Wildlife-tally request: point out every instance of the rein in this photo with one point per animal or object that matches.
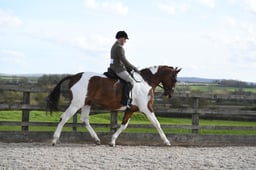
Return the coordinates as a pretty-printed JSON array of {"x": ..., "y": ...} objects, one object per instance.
[
  {"x": 165, "y": 89},
  {"x": 138, "y": 81},
  {"x": 162, "y": 87},
  {"x": 132, "y": 75}
]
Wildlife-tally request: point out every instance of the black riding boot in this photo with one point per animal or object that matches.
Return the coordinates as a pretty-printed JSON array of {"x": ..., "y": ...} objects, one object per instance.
[{"x": 126, "y": 100}]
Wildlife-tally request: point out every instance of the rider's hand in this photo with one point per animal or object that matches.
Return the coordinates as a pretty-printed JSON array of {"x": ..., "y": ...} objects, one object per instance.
[{"x": 136, "y": 70}]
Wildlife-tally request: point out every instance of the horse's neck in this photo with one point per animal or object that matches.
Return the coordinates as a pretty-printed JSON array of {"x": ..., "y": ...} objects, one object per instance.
[
  {"x": 148, "y": 77},
  {"x": 154, "y": 82}
]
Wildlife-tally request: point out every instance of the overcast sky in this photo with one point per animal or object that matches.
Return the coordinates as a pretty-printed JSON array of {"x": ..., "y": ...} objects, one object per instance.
[{"x": 206, "y": 38}]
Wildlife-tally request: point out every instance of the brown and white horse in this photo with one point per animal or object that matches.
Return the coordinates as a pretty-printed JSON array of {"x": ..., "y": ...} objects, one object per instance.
[{"x": 91, "y": 88}]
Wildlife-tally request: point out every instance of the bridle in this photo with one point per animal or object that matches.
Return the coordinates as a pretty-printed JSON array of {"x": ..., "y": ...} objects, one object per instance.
[{"x": 166, "y": 90}]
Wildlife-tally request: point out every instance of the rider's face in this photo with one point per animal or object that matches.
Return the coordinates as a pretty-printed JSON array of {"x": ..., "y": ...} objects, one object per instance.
[{"x": 122, "y": 40}]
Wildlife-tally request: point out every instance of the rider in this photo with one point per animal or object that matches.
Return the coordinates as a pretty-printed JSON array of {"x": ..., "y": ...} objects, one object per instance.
[{"x": 119, "y": 64}]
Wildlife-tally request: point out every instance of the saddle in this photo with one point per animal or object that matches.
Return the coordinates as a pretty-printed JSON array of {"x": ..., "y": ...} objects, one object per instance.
[{"x": 127, "y": 87}]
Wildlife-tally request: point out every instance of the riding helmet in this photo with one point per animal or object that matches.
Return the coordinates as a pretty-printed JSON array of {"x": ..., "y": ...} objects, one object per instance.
[{"x": 121, "y": 34}]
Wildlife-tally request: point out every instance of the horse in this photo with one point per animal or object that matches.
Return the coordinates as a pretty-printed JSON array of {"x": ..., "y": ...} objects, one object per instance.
[{"x": 89, "y": 88}]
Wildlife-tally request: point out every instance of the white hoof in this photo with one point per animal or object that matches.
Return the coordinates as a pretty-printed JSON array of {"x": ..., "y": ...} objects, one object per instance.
[
  {"x": 97, "y": 142},
  {"x": 112, "y": 144},
  {"x": 167, "y": 143},
  {"x": 54, "y": 141}
]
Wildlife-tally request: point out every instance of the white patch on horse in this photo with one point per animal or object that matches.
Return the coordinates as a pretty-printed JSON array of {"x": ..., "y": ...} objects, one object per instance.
[
  {"x": 122, "y": 108},
  {"x": 137, "y": 77},
  {"x": 154, "y": 69},
  {"x": 80, "y": 90}
]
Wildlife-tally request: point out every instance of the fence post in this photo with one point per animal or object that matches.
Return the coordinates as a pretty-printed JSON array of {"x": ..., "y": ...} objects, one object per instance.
[
  {"x": 113, "y": 121},
  {"x": 25, "y": 112},
  {"x": 74, "y": 127},
  {"x": 195, "y": 116}
]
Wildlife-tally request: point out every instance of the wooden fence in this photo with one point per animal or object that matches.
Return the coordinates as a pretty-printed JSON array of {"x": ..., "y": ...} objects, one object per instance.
[{"x": 189, "y": 105}]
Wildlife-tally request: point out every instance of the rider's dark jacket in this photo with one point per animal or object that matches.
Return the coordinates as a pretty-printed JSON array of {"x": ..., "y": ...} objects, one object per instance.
[{"x": 118, "y": 61}]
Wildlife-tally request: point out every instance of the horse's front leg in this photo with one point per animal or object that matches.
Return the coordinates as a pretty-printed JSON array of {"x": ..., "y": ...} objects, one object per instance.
[
  {"x": 125, "y": 122},
  {"x": 85, "y": 119},
  {"x": 151, "y": 116}
]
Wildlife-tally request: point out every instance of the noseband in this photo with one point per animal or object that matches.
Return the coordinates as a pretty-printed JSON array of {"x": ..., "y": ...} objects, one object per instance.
[
  {"x": 162, "y": 87},
  {"x": 166, "y": 90}
]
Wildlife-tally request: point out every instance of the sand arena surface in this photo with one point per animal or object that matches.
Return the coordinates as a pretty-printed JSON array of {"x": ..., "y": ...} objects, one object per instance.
[{"x": 89, "y": 156}]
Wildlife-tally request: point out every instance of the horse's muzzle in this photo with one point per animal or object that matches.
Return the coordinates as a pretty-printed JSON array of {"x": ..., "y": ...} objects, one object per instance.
[{"x": 167, "y": 95}]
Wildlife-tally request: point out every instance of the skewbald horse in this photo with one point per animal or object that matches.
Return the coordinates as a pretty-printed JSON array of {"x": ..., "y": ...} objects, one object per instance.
[{"x": 91, "y": 88}]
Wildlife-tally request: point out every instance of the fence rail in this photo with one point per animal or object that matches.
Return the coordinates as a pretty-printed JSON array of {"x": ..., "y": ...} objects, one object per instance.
[{"x": 163, "y": 107}]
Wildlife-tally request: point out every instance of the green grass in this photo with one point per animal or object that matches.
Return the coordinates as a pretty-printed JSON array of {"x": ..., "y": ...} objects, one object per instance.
[
  {"x": 216, "y": 89},
  {"x": 137, "y": 118},
  {"x": 227, "y": 123}
]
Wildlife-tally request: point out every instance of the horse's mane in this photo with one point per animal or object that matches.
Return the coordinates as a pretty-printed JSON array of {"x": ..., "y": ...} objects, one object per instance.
[
  {"x": 147, "y": 74},
  {"x": 156, "y": 67}
]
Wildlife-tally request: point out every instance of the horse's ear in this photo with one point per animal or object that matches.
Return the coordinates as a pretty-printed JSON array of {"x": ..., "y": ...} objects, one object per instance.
[{"x": 177, "y": 71}]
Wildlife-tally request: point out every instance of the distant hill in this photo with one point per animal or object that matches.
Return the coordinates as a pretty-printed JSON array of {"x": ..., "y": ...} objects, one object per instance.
[
  {"x": 21, "y": 75},
  {"x": 196, "y": 80}
]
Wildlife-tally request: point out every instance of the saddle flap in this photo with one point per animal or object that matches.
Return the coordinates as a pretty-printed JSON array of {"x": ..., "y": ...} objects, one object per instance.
[
  {"x": 111, "y": 74},
  {"x": 126, "y": 87}
]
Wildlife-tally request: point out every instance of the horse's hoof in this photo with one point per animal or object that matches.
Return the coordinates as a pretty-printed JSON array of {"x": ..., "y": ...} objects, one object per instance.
[
  {"x": 112, "y": 144},
  {"x": 54, "y": 141},
  {"x": 167, "y": 143},
  {"x": 97, "y": 142}
]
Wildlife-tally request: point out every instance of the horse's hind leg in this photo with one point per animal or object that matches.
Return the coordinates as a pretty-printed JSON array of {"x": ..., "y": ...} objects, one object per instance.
[
  {"x": 71, "y": 110},
  {"x": 125, "y": 122},
  {"x": 85, "y": 119}
]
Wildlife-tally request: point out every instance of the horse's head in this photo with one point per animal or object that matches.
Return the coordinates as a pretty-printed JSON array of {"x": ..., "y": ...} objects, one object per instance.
[
  {"x": 162, "y": 74},
  {"x": 168, "y": 79}
]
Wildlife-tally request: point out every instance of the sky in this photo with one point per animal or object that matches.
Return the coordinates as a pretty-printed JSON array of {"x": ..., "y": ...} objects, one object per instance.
[{"x": 206, "y": 38}]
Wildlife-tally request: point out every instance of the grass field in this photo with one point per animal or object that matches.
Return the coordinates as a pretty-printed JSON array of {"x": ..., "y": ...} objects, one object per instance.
[
  {"x": 216, "y": 89},
  {"x": 137, "y": 118}
]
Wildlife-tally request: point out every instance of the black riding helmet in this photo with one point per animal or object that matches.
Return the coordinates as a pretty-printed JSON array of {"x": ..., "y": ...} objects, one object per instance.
[{"x": 121, "y": 34}]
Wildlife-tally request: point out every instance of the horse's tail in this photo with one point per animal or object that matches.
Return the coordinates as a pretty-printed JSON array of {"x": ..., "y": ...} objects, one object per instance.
[{"x": 53, "y": 98}]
